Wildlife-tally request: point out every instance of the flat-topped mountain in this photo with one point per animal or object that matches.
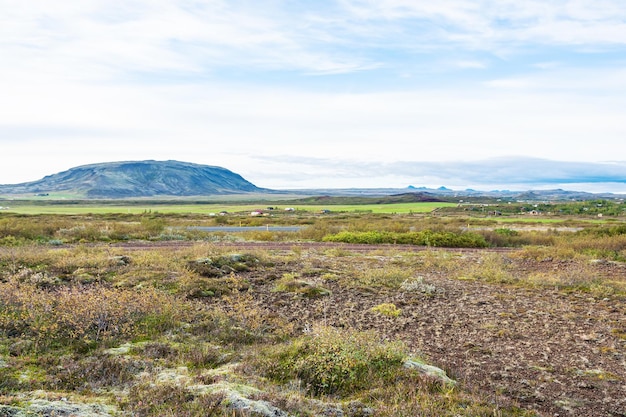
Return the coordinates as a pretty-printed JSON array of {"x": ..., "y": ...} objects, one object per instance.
[{"x": 138, "y": 179}]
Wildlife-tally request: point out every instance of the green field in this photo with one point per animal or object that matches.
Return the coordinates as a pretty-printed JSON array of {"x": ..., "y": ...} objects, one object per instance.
[{"x": 138, "y": 208}]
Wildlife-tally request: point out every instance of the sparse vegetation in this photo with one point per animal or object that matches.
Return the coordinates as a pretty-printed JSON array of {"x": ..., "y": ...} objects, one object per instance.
[
  {"x": 387, "y": 309},
  {"x": 135, "y": 314}
]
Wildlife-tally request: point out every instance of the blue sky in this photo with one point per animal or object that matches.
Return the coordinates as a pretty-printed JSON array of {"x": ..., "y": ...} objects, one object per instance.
[{"x": 479, "y": 94}]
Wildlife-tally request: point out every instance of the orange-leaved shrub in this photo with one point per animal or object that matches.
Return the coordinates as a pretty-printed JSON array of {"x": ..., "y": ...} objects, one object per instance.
[{"x": 83, "y": 316}]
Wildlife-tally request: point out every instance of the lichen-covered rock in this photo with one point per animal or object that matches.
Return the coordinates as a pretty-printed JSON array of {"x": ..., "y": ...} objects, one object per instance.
[
  {"x": 178, "y": 376},
  {"x": 429, "y": 370},
  {"x": 120, "y": 350},
  {"x": 256, "y": 407},
  {"x": 236, "y": 398},
  {"x": 45, "y": 408},
  {"x": 10, "y": 411},
  {"x": 357, "y": 409},
  {"x": 121, "y": 260}
]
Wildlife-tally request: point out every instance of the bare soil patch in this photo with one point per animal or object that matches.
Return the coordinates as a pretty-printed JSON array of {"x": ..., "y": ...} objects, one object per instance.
[{"x": 545, "y": 349}]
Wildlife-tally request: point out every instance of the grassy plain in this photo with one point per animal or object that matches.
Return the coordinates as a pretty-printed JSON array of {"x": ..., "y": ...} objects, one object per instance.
[
  {"x": 206, "y": 208},
  {"x": 130, "y": 314}
]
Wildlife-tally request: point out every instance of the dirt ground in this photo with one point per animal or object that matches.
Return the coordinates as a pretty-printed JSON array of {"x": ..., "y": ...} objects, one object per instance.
[{"x": 558, "y": 353}]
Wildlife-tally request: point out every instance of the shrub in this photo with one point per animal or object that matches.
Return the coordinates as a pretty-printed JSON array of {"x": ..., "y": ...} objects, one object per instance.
[
  {"x": 11, "y": 241},
  {"x": 93, "y": 372},
  {"x": 421, "y": 238},
  {"x": 192, "y": 286},
  {"x": 84, "y": 316},
  {"x": 153, "y": 225},
  {"x": 389, "y": 276},
  {"x": 241, "y": 320},
  {"x": 577, "y": 278},
  {"x": 147, "y": 400},
  {"x": 9, "y": 381},
  {"x": 609, "y": 246},
  {"x": 289, "y": 283},
  {"x": 222, "y": 265},
  {"x": 387, "y": 309},
  {"x": 491, "y": 268},
  {"x": 330, "y": 361}
]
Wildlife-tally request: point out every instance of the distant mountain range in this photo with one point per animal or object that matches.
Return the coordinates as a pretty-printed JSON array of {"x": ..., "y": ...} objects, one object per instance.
[
  {"x": 412, "y": 194},
  {"x": 138, "y": 179},
  {"x": 445, "y": 194}
]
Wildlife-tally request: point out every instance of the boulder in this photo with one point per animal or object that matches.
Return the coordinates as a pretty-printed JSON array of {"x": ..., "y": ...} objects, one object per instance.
[{"x": 429, "y": 370}]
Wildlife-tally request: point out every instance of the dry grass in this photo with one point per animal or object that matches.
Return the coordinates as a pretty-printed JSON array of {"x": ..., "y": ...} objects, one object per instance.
[{"x": 209, "y": 315}]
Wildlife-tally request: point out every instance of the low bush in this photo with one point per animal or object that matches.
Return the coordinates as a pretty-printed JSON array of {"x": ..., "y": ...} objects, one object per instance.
[
  {"x": 222, "y": 265},
  {"x": 492, "y": 268},
  {"x": 329, "y": 361},
  {"x": 289, "y": 283},
  {"x": 95, "y": 372},
  {"x": 421, "y": 238},
  {"x": 84, "y": 316},
  {"x": 9, "y": 381},
  {"x": 605, "y": 246},
  {"x": 148, "y": 400},
  {"x": 240, "y": 320},
  {"x": 577, "y": 278},
  {"x": 388, "y": 276},
  {"x": 387, "y": 309}
]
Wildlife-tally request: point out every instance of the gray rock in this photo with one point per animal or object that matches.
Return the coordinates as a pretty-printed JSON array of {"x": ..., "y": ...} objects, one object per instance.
[
  {"x": 121, "y": 260},
  {"x": 358, "y": 409},
  {"x": 236, "y": 398},
  {"x": 237, "y": 257},
  {"x": 9, "y": 411},
  {"x": 45, "y": 408},
  {"x": 429, "y": 370},
  {"x": 262, "y": 408}
]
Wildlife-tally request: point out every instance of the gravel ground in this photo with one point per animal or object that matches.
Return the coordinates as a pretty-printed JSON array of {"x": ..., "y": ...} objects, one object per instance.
[{"x": 558, "y": 353}]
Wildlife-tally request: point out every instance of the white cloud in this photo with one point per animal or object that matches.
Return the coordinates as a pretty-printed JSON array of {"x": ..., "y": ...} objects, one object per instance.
[
  {"x": 97, "y": 39},
  {"x": 496, "y": 173},
  {"x": 204, "y": 123},
  {"x": 484, "y": 22},
  {"x": 224, "y": 82},
  {"x": 111, "y": 38},
  {"x": 470, "y": 64}
]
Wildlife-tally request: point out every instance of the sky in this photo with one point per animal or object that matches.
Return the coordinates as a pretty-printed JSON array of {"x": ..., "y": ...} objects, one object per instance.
[{"x": 482, "y": 94}]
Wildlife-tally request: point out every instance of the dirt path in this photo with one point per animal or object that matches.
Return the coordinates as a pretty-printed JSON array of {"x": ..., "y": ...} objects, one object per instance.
[{"x": 289, "y": 246}]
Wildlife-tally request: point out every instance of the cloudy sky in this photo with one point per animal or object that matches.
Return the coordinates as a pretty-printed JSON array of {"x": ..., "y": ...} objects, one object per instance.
[{"x": 477, "y": 94}]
